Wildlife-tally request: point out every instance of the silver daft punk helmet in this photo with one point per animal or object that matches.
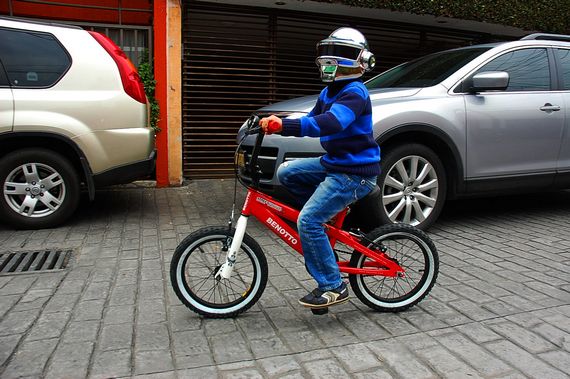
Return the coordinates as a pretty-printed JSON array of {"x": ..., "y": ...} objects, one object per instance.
[{"x": 344, "y": 54}]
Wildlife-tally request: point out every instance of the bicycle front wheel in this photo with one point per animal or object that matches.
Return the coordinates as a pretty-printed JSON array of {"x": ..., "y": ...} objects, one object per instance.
[
  {"x": 414, "y": 251},
  {"x": 196, "y": 261}
]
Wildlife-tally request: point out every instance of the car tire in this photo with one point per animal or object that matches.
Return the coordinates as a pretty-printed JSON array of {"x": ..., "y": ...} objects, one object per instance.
[
  {"x": 413, "y": 184},
  {"x": 40, "y": 189}
]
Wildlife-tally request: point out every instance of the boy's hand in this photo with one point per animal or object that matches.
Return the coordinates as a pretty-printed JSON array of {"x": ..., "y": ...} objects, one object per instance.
[{"x": 271, "y": 124}]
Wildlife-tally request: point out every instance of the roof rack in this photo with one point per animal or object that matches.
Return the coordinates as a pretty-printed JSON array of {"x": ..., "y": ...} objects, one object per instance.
[{"x": 545, "y": 36}]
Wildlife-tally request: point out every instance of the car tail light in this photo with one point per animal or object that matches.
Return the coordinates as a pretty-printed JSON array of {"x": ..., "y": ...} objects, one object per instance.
[{"x": 132, "y": 82}]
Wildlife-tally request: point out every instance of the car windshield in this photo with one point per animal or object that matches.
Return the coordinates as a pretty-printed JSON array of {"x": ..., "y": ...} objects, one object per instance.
[{"x": 426, "y": 71}]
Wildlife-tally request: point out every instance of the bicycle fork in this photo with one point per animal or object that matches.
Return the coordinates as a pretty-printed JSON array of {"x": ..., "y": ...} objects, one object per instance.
[{"x": 225, "y": 271}]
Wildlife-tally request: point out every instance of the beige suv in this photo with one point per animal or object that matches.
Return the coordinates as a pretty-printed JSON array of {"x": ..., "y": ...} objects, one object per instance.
[{"x": 73, "y": 115}]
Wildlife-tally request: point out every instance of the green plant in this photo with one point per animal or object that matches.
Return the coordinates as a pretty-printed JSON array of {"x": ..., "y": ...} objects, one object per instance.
[
  {"x": 146, "y": 72},
  {"x": 540, "y": 15}
]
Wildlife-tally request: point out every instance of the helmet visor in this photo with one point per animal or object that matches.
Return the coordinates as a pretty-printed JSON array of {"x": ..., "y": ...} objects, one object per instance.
[{"x": 343, "y": 51}]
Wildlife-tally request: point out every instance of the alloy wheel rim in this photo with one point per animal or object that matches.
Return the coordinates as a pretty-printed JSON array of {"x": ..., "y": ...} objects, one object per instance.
[
  {"x": 410, "y": 190},
  {"x": 34, "y": 190}
]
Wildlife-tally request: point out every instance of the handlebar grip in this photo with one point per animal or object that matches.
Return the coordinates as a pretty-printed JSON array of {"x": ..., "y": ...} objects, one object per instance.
[{"x": 273, "y": 126}]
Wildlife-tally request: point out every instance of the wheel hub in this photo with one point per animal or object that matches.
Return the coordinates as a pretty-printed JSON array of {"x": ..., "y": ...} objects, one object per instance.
[{"x": 34, "y": 190}]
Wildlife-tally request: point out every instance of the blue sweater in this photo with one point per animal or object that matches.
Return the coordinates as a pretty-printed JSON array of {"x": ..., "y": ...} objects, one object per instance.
[{"x": 343, "y": 121}]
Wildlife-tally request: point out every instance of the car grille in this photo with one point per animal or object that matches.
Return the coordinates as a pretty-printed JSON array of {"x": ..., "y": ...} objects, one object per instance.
[{"x": 267, "y": 161}]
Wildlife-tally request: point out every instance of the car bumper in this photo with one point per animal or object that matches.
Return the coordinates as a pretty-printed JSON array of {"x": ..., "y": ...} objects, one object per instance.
[{"x": 127, "y": 173}]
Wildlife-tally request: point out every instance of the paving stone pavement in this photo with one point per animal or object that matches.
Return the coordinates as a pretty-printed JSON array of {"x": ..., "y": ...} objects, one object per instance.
[{"x": 500, "y": 309}]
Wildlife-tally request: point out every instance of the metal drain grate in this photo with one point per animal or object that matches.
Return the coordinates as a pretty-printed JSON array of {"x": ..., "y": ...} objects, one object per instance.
[{"x": 33, "y": 261}]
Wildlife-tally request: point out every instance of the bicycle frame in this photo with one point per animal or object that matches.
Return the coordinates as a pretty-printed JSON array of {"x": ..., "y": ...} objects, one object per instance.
[{"x": 272, "y": 214}]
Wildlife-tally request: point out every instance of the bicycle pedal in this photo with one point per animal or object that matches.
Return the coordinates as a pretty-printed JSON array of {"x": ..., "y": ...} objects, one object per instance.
[{"x": 320, "y": 311}]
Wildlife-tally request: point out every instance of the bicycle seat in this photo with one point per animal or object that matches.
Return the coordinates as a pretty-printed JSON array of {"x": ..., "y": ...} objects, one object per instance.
[{"x": 365, "y": 214}]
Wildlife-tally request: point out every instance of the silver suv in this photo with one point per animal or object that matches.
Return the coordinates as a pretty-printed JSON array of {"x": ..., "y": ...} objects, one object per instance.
[
  {"x": 73, "y": 113},
  {"x": 477, "y": 120}
]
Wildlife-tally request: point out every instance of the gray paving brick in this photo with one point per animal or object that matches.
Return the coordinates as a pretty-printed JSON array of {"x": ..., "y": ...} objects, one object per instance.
[
  {"x": 243, "y": 374},
  {"x": 276, "y": 366},
  {"x": 123, "y": 295},
  {"x": 423, "y": 320},
  {"x": 301, "y": 340},
  {"x": 49, "y": 325},
  {"x": 527, "y": 339},
  {"x": 96, "y": 291},
  {"x": 7, "y": 302},
  {"x": 400, "y": 360},
  {"x": 556, "y": 336},
  {"x": 327, "y": 368},
  {"x": 560, "y": 321},
  {"x": 70, "y": 361},
  {"x": 18, "y": 285},
  {"x": 119, "y": 314},
  {"x": 255, "y": 325},
  {"x": 153, "y": 361},
  {"x": 61, "y": 303},
  {"x": 331, "y": 331},
  {"x": 472, "y": 310},
  {"x": 356, "y": 357},
  {"x": 81, "y": 331},
  {"x": 377, "y": 373},
  {"x": 393, "y": 323},
  {"x": 202, "y": 372},
  {"x": 151, "y": 311},
  {"x": 48, "y": 281},
  {"x": 418, "y": 341},
  {"x": 558, "y": 359},
  {"x": 447, "y": 366},
  {"x": 18, "y": 322},
  {"x": 181, "y": 318},
  {"x": 524, "y": 361},
  {"x": 442, "y": 312},
  {"x": 30, "y": 359},
  {"x": 114, "y": 337},
  {"x": 152, "y": 337},
  {"x": 7, "y": 347},
  {"x": 72, "y": 286},
  {"x": 477, "y": 357},
  {"x": 268, "y": 347},
  {"x": 225, "y": 352},
  {"x": 111, "y": 364},
  {"x": 88, "y": 310},
  {"x": 361, "y": 327},
  {"x": 191, "y": 349}
]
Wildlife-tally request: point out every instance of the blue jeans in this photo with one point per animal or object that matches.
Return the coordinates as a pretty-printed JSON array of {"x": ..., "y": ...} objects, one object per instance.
[{"x": 323, "y": 194}]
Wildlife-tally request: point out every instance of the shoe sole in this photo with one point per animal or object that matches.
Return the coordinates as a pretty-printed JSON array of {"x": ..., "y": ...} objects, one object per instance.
[{"x": 312, "y": 306}]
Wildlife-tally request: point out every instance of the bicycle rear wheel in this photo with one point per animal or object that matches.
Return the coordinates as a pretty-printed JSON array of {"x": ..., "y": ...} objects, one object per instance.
[
  {"x": 195, "y": 263},
  {"x": 414, "y": 251}
]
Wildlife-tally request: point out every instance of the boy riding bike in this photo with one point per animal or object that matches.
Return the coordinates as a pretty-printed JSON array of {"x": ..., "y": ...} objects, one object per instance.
[{"x": 342, "y": 118}]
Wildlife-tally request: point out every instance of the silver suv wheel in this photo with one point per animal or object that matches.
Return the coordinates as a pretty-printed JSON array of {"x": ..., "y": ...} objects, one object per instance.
[
  {"x": 34, "y": 190},
  {"x": 39, "y": 187},
  {"x": 413, "y": 186}
]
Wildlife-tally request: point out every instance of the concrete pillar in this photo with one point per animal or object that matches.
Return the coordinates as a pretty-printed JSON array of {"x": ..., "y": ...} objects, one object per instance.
[{"x": 168, "y": 75}]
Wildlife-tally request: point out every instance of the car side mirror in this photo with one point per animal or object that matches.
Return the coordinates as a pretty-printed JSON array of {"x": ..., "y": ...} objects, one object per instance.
[{"x": 489, "y": 81}]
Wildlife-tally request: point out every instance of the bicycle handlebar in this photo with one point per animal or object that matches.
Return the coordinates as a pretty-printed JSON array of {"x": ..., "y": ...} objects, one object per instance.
[{"x": 254, "y": 128}]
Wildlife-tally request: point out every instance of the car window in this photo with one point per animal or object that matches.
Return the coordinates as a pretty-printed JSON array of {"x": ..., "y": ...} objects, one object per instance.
[
  {"x": 528, "y": 69},
  {"x": 564, "y": 59},
  {"x": 426, "y": 71},
  {"x": 32, "y": 59}
]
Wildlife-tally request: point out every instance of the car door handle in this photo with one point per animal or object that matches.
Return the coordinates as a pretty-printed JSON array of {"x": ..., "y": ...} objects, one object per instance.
[{"x": 549, "y": 108}]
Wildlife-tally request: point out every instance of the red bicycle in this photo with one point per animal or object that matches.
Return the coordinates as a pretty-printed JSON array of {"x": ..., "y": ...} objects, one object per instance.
[{"x": 222, "y": 271}]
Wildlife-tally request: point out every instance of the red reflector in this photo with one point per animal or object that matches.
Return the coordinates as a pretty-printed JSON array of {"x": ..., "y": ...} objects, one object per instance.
[{"x": 132, "y": 83}]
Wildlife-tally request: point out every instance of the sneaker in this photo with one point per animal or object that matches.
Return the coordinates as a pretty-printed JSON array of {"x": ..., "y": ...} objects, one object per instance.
[{"x": 323, "y": 299}]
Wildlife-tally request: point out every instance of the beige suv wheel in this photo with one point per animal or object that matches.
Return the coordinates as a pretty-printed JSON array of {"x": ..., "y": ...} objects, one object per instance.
[{"x": 39, "y": 188}]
